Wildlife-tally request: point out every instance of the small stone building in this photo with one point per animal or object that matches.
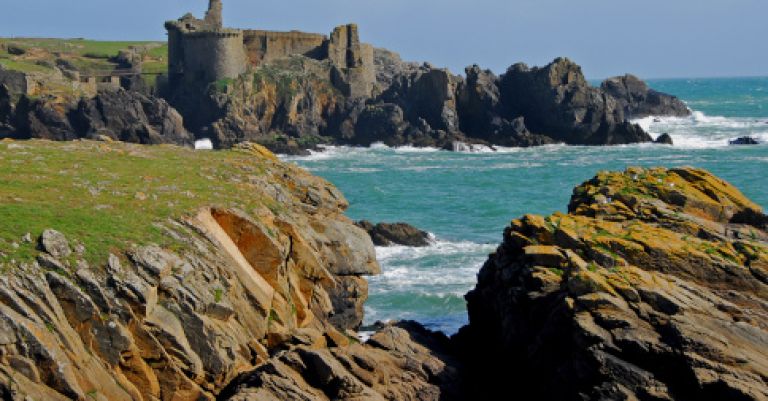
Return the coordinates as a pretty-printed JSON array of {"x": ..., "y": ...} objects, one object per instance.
[{"x": 202, "y": 51}]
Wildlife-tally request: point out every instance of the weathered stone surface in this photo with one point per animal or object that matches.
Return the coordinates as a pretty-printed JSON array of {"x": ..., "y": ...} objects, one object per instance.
[
  {"x": 131, "y": 117},
  {"x": 151, "y": 323},
  {"x": 558, "y": 100},
  {"x": 649, "y": 288},
  {"x": 55, "y": 243},
  {"x": 386, "y": 234},
  {"x": 400, "y": 362}
]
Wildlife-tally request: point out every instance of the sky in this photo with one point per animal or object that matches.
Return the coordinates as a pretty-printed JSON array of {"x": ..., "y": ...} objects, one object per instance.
[{"x": 650, "y": 38}]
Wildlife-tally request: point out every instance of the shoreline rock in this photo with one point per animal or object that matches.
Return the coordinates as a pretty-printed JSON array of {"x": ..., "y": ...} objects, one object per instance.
[
  {"x": 744, "y": 140},
  {"x": 389, "y": 234},
  {"x": 628, "y": 296}
]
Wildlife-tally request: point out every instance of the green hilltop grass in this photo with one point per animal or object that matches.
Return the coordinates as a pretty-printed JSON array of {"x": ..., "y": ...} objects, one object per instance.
[
  {"x": 84, "y": 54},
  {"x": 110, "y": 196}
]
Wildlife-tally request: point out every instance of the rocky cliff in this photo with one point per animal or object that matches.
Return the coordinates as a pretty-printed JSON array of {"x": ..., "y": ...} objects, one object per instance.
[
  {"x": 241, "y": 279},
  {"x": 244, "y": 257},
  {"x": 653, "y": 287},
  {"x": 292, "y": 104}
]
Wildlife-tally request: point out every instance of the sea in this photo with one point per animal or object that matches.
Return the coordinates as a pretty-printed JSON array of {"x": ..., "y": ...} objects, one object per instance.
[{"x": 465, "y": 200}]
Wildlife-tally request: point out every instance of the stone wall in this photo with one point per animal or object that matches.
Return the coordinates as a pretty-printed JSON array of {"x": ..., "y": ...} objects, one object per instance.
[
  {"x": 265, "y": 46},
  {"x": 214, "y": 55},
  {"x": 354, "y": 73}
]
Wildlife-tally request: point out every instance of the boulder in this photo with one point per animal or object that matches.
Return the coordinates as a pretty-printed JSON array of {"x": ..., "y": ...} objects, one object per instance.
[
  {"x": 664, "y": 139},
  {"x": 652, "y": 287},
  {"x": 385, "y": 234},
  {"x": 55, "y": 243},
  {"x": 639, "y": 101}
]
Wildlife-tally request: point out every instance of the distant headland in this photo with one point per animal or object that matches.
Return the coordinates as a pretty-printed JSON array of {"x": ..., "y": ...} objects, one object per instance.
[{"x": 292, "y": 91}]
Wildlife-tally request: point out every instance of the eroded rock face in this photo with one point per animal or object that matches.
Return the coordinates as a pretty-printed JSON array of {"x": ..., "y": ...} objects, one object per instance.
[
  {"x": 113, "y": 113},
  {"x": 652, "y": 287},
  {"x": 557, "y": 101},
  {"x": 130, "y": 116},
  {"x": 153, "y": 323},
  {"x": 640, "y": 101}
]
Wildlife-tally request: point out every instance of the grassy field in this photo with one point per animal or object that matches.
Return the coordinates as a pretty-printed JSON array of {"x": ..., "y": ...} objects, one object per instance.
[
  {"x": 109, "y": 196},
  {"x": 84, "y": 54}
]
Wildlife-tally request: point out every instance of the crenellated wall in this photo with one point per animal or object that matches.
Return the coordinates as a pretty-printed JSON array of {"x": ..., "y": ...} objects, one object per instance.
[{"x": 201, "y": 52}]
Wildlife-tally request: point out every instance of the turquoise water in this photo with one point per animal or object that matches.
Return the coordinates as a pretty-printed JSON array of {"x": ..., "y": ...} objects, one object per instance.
[{"x": 466, "y": 199}]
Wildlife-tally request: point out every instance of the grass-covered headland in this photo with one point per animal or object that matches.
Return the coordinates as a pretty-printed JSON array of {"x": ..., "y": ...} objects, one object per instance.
[{"x": 110, "y": 196}]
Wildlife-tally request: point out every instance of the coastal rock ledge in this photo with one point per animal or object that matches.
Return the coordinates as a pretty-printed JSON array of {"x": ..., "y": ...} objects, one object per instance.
[{"x": 653, "y": 287}]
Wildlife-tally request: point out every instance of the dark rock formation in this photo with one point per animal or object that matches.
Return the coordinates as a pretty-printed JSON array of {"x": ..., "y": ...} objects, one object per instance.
[
  {"x": 428, "y": 93},
  {"x": 6, "y": 109},
  {"x": 385, "y": 234},
  {"x": 653, "y": 287},
  {"x": 130, "y": 116},
  {"x": 42, "y": 119},
  {"x": 113, "y": 113},
  {"x": 664, "y": 139},
  {"x": 557, "y": 101},
  {"x": 639, "y": 101},
  {"x": 745, "y": 140}
]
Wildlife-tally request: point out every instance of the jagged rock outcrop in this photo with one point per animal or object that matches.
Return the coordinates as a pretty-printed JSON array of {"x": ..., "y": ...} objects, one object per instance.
[
  {"x": 130, "y": 116},
  {"x": 291, "y": 98},
  {"x": 639, "y": 101},
  {"x": 399, "y": 362},
  {"x": 388, "y": 234},
  {"x": 113, "y": 113},
  {"x": 557, "y": 101},
  {"x": 428, "y": 93},
  {"x": 181, "y": 322},
  {"x": 653, "y": 287}
]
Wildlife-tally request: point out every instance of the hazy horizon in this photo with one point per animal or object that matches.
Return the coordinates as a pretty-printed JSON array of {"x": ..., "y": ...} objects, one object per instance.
[{"x": 706, "y": 39}]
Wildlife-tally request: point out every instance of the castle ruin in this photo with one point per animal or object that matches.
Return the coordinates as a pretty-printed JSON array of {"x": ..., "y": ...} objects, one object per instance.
[{"x": 202, "y": 51}]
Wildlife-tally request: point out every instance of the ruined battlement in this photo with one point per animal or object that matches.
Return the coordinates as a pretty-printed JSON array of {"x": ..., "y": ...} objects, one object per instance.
[{"x": 201, "y": 51}]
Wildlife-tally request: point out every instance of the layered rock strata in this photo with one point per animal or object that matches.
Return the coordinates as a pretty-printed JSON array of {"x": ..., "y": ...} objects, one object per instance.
[
  {"x": 154, "y": 323},
  {"x": 652, "y": 287}
]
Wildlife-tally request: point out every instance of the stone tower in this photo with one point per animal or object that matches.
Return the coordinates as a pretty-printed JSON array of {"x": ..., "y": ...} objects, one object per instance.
[{"x": 213, "y": 17}]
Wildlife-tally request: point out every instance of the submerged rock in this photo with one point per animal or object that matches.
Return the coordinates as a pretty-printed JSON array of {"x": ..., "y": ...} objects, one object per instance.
[
  {"x": 386, "y": 234},
  {"x": 652, "y": 287},
  {"x": 745, "y": 140}
]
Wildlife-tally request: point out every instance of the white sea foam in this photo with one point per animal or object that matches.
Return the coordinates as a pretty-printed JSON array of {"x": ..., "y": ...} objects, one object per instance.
[
  {"x": 204, "y": 144},
  {"x": 441, "y": 269},
  {"x": 700, "y": 131}
]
